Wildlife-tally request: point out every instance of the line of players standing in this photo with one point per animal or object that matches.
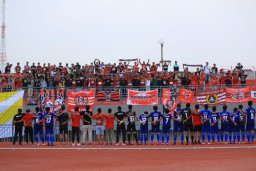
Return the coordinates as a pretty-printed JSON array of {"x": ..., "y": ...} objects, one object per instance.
[{"x": 191, "y": 122}]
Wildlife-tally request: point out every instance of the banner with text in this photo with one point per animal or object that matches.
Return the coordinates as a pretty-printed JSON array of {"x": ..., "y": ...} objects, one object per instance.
[
  {"x": 142, "y": 97},
  {"x": 80, "y": 99}
]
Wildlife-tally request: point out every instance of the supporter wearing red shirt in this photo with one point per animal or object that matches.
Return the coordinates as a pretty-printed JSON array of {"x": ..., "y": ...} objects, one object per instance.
[
  {"x": 28, "y": 119},
  {"x": 100, "y": 118},
  {"x": 135, "y": 67},
  {"x": 18, "y": 68},
  {"x": 109, "y": 126},
  {"x": 92, "y": 82},
  {"x": 144, "y": 65},
  {"x": 234, "y": 78},
  {"x": 197, "y": 123},
  {"x": 153, "y": 68},
  {"x": 76, "y": 117},
  {"x": 222, "y": 79}
]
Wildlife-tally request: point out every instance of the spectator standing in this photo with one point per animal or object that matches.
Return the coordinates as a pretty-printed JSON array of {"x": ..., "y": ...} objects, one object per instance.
[{"x": 207, "y": 71}]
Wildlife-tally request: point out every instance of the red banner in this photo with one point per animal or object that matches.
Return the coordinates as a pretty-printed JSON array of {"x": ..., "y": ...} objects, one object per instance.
[
  {"x": 80, "y": 99},
  {"x": 108, "y": 96},
  {"x": 238, "y": 95},
  {"x": 212, "y": 97},
  {"x": 169, "y": 99},
  {"x": 142, "y": 97},
  {"x": 186, "y": 95}
]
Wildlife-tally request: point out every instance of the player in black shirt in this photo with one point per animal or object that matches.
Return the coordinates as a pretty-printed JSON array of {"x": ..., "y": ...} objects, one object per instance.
[
  {"x": 87, "y": 125},
  {"x": 187, "y": 122},
  {"x": 120, "y": 118},
  {"x": 63, "y": 117},
  {"x": 131, "y": 127},
  {"x": 18, "y": 122}
]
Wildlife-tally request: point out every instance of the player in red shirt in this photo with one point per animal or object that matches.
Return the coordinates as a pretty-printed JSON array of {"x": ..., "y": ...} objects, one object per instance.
[
  {"x": 197, "y": 123},
  {"x": 100, "y": 119},
  {"x": 109, "y": 126},
  {"x": 28, "y": 119},
  {"x": 76, "y": 117}
]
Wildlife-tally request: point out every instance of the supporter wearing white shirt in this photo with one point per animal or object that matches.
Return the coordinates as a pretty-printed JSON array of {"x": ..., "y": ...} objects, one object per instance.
[{"x": 207, "y": 71}]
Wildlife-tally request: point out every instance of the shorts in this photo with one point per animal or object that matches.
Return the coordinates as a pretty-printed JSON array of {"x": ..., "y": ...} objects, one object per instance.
[
  {"x": 198, "y": 128},
  {"x": 241, "y": 126},
  {"x": 143, "y": 129},
  {"x": 188, "y": 127},
  {"x": 224, "y": 127},
  {"x": 166, "y": 129},
  {"x": 63, "y": 128},
  {"x": 49, "y": 129},
  {"x": 178, "y": 127},
  {"x": 215, "y": 129},
  {"x": 131, "y": 127},
  {"x": 38, "y": 129},
  {"x": 250, "y": 126},
  {"x": 155, "y": 129},
  {"x": 206, "y": 127},
  {"x": 232, "y": 128},
  {"x": 99, "y": 130}
]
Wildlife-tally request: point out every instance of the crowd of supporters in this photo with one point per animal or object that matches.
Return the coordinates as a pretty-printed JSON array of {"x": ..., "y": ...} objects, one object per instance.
[{"x": 124, "y": 74}]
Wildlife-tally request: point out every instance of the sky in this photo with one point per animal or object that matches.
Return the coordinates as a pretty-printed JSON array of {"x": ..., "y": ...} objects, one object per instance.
[{"x": 194, "y": 31}]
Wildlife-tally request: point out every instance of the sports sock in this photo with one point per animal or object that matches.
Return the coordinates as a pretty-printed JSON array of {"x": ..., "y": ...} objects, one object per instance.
[
  {"x": 226, "y": 137},
  {"x": 230, "y": 137},
  {"x": 238, "y": 136},
  {"x": 167, "y": 138},
  {"x": 174, "y": 138},
  {"x": 213, "y": 137},
  {"x": 145, "y": 138},
  {"x": 141, "y": 138},
  {"x": 222, "y": 137},
  {"x": 243, "y": 136},
  {"x": 187, "y": 139},
  {"x": 42, "y": 138},
  {"x": 158, "y": 137},
  {"x": 218, "y": 137},
  {"x": 52, "y": 139},
  {"x": 248, "y": 137},
  {"x": 48, "y": 138},
  {"x": 152, "y": 137},
  {"x": 162, "y": 138},
  {"x": 209, "y": 137},
  {"x": 203, "y": 136},
  {"x": 182, "y": 138},
  {"x": 252, "y": 137},
  {"x": 234, "y": 137},
  {"x": 36, "y": 137}
]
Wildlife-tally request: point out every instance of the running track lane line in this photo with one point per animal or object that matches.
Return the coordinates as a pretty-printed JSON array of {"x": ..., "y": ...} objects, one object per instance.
[{"x": 177, "y": 148}]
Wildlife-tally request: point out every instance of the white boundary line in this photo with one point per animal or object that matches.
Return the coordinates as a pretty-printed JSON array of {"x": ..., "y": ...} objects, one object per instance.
[{"x": 174, "y": 148}]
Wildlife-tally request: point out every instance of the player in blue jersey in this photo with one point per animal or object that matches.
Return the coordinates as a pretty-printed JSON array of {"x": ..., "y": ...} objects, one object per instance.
[
  {"x": 250, "y": 116},
  {"x": 225, "y": 117},
  {"x": 178, "y": 125},
  {"x": 234, "y": 119},
  {"x": 49, "y": 123},
  {"x": 241, "y": 124},
  {"x": 166, "y": 126},
  {"x": 144, "y": 127},
  {"x": 38, "y": 126},
  {"x": 155, "y": 118},
  {"x": 206, "y": 128},
  {"x": 215, "y": 116}
]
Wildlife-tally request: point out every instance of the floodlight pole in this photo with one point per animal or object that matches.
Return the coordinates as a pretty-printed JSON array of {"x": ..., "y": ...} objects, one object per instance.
[{"x": 161, "y": 42}]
